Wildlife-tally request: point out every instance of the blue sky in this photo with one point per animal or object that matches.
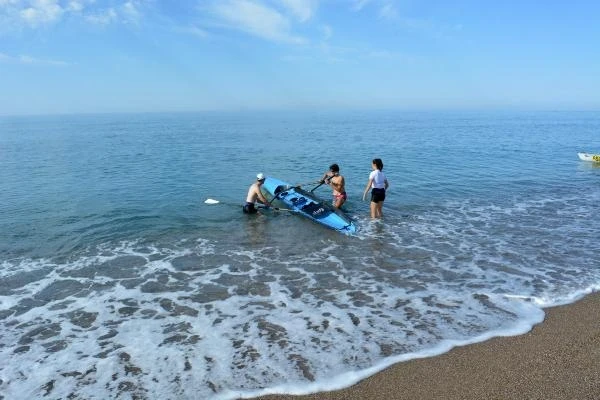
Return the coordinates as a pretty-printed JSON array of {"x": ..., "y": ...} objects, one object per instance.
[{"x": 82, "y": 56}]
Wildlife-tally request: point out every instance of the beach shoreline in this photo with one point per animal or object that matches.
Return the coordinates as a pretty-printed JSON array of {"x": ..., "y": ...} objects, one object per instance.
[{"x": 558, "y": 359}]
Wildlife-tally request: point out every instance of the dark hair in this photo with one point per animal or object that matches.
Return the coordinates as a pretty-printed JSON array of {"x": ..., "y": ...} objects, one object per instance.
[
  {"x": 378, "y": 163},
  {"x": 334, "y": 168}
]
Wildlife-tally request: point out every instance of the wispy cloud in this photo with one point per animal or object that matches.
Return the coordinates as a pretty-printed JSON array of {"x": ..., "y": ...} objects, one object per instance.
[
  {"x": 358, "y": 5},
  {"x": 337, "y": 54},
  {"x": 37, "y": 13},
  {"x": 388, "y": 11},
  {"x": 301, "y": 9},
  {"x": 127, "y": 13},
  {"x": 272, "y": 20},
  {"x": 193, "y": 30},
  {"x": 103, "y": 17},
  {"x": 28, "y": 60},
  {"x": 255, "y": 18},
  {"x": 40, "y": 12},
  {"x": 76, "y": 5},
  {"x": 131, "y": 12}
]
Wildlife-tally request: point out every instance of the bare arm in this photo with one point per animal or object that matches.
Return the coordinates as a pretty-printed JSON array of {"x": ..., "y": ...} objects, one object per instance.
[
  {"x": 326, "y": 177},
  {"x": 367, "y": 188},
  {"x": 261, "y": 197}
]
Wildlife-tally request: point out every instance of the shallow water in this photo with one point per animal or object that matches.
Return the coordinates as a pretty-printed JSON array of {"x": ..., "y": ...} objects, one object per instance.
[{"x": 116, "y": 280}]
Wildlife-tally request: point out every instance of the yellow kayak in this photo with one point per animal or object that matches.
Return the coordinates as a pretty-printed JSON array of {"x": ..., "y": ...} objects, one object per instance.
[{"x": 589, "y": 157}]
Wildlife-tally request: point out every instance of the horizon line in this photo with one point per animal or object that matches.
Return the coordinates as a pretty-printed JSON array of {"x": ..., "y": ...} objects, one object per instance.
[{"x": 308, "y": 110}]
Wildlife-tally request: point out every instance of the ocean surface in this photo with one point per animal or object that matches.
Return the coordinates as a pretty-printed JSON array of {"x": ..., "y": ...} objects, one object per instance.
[{"x": 118, "y": 281}]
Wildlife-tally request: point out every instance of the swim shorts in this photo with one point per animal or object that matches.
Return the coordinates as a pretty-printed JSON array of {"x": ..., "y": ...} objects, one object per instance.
[
  {"x": 249, "y": 208},
  {"x": 377, "y": 195}
]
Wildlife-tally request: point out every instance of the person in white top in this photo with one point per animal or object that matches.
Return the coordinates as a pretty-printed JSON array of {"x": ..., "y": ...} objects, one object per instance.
[
  {"x": 255, "y": 194},
  {"x": 378, "y": 184}
]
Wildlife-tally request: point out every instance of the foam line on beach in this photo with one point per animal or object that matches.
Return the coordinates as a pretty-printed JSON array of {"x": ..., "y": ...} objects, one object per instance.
[{"x": 352, "y": 377}]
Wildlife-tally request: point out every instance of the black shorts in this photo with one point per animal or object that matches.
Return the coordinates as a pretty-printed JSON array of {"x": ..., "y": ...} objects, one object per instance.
[
  {"x": 377, "y": 195},
  {"x": 249, "y": 208}
]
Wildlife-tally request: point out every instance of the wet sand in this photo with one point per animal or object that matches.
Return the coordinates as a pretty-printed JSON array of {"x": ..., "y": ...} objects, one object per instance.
[{"x": 557, "y": 359}]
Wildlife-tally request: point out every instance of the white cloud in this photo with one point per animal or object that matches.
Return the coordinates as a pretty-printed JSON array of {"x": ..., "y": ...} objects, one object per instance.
[
  {"x": 386, "y": 8},
  {"x": 104, "y": 17},
  {"x": 302, "y": 9},
  {"x": 359, "y": 4},
  {"x": 388, "y": 11},
  {"x": 25, "y": 59},
  {"x": 255, "y": 18},
  {"x": 194, "y": 31},
  {"x": 75, "y": 6},
  {"x": 41, "y": 12},
  {"x": 16, "y": 14},
  {"x": 131, "y": 12}
]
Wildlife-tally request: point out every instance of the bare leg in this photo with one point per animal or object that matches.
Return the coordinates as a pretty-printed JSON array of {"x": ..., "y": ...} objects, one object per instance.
[
  {"x": 337, "y": 203},
  {"x": 373, "y": 210},
  {"x": 380, "y": 209}
]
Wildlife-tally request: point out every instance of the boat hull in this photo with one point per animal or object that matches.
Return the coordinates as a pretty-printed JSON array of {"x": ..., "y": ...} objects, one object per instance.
[{"x": 309, "y": 205}]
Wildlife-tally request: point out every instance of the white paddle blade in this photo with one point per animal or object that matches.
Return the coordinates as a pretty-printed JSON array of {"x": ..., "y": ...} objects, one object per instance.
[{"x": 211, "y": 201}]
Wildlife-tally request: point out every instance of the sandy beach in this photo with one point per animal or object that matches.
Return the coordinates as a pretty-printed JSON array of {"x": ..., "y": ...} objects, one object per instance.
[{"x": 557, "y": 359}]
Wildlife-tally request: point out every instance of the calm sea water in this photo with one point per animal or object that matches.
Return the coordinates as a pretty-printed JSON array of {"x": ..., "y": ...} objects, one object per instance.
[{"x": 117, "y": 281}]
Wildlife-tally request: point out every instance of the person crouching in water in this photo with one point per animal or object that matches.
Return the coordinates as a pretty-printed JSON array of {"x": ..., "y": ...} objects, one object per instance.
[
  {"x": 337, "y": 183},
  {"x": 255, "y": 194}
]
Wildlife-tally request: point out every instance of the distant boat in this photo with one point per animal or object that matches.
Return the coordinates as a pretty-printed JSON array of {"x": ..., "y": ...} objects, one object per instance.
[{"x": 589, "y": 157}]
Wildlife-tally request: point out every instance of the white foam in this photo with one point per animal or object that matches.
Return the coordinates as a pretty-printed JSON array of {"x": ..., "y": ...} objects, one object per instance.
[
  {"x": 350, "y": 378},
  {"x": 287, "y": 320}
]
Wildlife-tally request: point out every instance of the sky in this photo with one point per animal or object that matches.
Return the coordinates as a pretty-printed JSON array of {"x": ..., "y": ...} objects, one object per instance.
[{"x": 98, "y": 56}]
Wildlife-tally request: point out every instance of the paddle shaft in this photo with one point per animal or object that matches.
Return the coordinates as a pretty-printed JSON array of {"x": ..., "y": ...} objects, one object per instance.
[
  {"x": 318, "y": 186},
  {"x": 306, "y": 183},
  {"x": 265, "y": 206}
]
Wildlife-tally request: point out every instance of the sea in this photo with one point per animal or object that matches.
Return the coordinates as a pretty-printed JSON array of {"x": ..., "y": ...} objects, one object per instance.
[{"x": 118, "y": 281}]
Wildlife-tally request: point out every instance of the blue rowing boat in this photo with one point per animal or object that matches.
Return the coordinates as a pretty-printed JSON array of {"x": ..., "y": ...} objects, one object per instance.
[{"x": 309, "y": 205}]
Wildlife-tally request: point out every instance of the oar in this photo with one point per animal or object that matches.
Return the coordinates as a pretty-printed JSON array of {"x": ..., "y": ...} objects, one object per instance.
[
  {"x": 302, "y": 184},
  {"x": 213, "y": 201},
  {"x": 278, "y": 209},
  {"x": 318, "y": 186}
]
